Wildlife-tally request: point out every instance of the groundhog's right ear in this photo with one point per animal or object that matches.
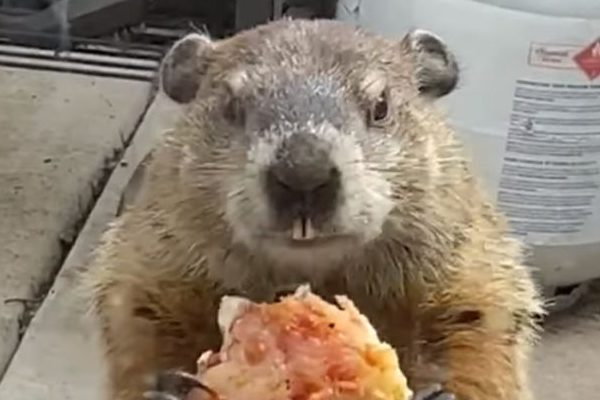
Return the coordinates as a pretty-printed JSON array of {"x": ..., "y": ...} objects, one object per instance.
[
  {"x": 437, "y": 71},
  {"x": 183, "y": 67}
]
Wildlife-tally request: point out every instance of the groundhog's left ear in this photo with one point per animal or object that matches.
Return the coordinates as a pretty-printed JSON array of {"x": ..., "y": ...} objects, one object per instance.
[
  {"x": 184, "y": 66},
  {"x": 437, "y": 70}
]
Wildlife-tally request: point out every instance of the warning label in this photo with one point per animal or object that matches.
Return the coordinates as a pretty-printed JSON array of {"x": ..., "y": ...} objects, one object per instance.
[
  {"x": 551, "y": 174},
  {"x": 589, "y": 60}
]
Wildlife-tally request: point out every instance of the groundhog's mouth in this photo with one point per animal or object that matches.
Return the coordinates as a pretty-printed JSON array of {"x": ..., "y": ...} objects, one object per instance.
[
  {"x": 303, "y": 234},
  {"x": 318, "y": 240},
  {"x": 287, "y": 241}
]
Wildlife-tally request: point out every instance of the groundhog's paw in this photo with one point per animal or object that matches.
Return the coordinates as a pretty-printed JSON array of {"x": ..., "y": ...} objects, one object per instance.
[
  {"x": 177, "y": 385},
  {"x": 433, "y": 392}
]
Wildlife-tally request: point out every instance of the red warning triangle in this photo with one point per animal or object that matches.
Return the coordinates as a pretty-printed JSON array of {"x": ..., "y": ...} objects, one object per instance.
[{"x": 588, "y": 59}]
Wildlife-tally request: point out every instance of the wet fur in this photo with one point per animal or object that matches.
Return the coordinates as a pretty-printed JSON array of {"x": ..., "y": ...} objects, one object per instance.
[{"x": 441, "y": 281}]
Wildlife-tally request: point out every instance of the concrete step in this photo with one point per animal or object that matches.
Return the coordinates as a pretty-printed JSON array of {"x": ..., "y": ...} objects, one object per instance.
[
  {"x": 58, "y": 134},
  {"x": 58, "y": 357}
]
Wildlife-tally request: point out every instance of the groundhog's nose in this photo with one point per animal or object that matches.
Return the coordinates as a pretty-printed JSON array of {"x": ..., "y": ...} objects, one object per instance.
[{"x": 303, "y": 183}]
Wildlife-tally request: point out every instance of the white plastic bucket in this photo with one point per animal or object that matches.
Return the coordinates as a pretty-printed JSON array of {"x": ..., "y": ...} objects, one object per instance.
[{"x": 528, "y": 110}]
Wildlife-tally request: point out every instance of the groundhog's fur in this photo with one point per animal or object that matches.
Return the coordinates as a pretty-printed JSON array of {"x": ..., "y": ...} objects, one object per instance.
[{"x": 430, "y": 264}]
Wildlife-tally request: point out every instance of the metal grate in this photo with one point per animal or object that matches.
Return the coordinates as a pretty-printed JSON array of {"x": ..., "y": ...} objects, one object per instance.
[
  {"x": 125, "y": 38},
  {"x": 87, "y": 56}
]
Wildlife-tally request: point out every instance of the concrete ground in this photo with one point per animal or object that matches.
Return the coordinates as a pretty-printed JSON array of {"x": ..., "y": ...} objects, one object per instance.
[
  {"x": 567, "y": 363},
  {"x": 58, "y": 134},
  {"x": 58, "y": 358},
  {"x": 49, "y": 159}
]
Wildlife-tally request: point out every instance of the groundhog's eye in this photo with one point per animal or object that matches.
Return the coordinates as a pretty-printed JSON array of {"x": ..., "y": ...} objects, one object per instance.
[{"x": 379, "y": 112}]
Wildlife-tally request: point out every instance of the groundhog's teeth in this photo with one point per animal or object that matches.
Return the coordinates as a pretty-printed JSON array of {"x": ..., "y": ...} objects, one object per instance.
[
  {"x": 303, "y": 229},
  {"x": 298, "y": 229},
  {"x": 309, "y": 231}
]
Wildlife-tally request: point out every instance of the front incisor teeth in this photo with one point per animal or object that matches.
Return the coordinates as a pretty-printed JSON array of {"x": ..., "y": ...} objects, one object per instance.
[
  {"x": 309, "y": 232},
  {"x": 302, "y": 229},
  {"x": 297, "y": 229}
]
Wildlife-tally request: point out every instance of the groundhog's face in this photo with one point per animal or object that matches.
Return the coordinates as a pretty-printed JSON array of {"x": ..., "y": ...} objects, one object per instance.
[{"x": 308, "y": 125}]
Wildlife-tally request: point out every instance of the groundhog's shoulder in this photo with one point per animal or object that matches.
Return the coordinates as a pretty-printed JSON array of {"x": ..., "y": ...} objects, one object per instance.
[{"x": 489, "y": 280}]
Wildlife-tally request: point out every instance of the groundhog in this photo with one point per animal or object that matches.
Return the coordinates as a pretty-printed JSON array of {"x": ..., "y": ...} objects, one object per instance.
[{"x": 311, "y": 152}]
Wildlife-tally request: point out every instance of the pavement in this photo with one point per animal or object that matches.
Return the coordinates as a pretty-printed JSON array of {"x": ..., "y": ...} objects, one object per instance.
[
  {"x": 57, "y": 134},
  {"x": 567, "y": 361}
]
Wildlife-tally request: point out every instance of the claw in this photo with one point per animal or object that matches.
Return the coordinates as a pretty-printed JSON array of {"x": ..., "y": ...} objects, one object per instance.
[
  {"x": 433, "y": 392},
  {"x": 445, "y": 396},
  {"x": 176, "y": 385},
  {"x": 160, "y": 396}
]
